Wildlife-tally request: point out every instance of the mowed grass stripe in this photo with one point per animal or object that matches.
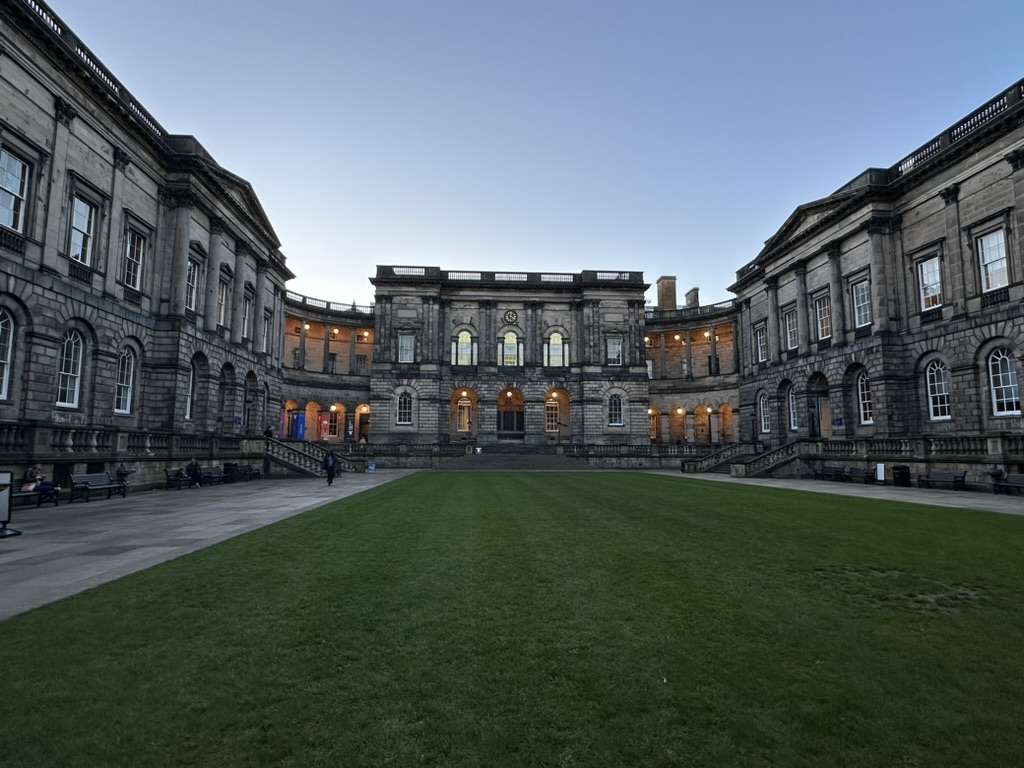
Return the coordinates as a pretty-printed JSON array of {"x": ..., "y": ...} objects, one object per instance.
[{"x": 544, "y": 619}]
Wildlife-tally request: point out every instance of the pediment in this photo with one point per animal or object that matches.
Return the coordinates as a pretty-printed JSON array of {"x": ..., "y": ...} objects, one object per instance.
[{"x": 805, "y": 217}]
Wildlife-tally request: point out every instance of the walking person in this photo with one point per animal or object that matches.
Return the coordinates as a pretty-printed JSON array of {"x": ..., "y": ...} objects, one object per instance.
[{"x": 330, "y": 464}]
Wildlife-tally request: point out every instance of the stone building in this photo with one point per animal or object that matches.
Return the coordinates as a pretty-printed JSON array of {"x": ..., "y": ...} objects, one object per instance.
[
  {"x": 883, "y": 323},
  {"x": 517, "y": 358},
  {"x": 144, "y": 318},
  {"x": 142, "y": 283}
]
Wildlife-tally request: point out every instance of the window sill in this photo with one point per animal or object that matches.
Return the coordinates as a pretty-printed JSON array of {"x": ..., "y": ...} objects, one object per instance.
[
  {"x": 931, "y": 315},
  {"x": 1006, "y": 415},
  {"x": 995, "y": 296},
  {"x": 862, "y": 331},
  {"x": 12, "y": 240},
  {"x": 939, "y": 419}
]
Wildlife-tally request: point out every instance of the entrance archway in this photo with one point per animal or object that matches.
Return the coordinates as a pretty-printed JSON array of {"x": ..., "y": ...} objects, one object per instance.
[
  {"x": 511, "y": 418},
  {"x": 362, "y": 423},
  {"x": 312, "y": 417},
  {"x": 462, "y": 415},
  {"x": 654, "y": 425},
  {"x": 702, "y": 425},
  {"x": 293, "y": 421},
  {"x": 557, "y": 415},
  {"x": 819, "y": 410},
  {"x": 251, "y": 414}
]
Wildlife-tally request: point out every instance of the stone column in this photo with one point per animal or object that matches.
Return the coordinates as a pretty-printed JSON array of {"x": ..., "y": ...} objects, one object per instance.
[
  {"x": 835, "y": 283},
  {"x": 115, "y": 244},
  {"x": 53, "y": 242},
  {"x": 803, "y": 320},
  {"x": 714, "y": 368},
  {"x": 302, "y": 343},
  {"x": 880, "y": 279},
  {"x": 179, "y": 262},
  {"x": 260, "y": 309},
  {"x": 219, "y": 253},
  {"x": 327, "y": 347},
  {"x": 238, "y": 293},
  {"x": 689, "y": 355},
  {"x": 957, "y": 266},
  {"x": 353, "y": 333},
  {"x": 1016, "y": 160},
  {"x": 662, "y": 344},
  {"x": 772, "y": 288}
]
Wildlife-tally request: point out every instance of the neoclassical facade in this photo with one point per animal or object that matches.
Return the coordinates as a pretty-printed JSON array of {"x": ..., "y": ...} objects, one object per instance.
[{"x": 145, "y": 320}]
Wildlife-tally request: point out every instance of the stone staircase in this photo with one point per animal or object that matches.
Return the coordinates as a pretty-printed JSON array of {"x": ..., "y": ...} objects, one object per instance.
[
  {"x": 505, "y": 460},
  {"x": 304, "y": 458}
]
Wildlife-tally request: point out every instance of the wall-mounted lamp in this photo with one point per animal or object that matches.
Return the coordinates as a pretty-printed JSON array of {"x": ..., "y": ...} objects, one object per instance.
[
  {"x": 650, "y": 411},
  {"x": 679, "y": 411},
  {"x": 465, "y": 393},
  {"x": 334, "y": 409},
  {"x": 335, "y": 331},
  {"x": 676, "y": 337},
  {"x": 305, "y": 326}
]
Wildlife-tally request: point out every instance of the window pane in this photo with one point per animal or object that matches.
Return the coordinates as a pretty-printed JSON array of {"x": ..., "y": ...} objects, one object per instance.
[
  {"x": 992, "y": 255},
  {"x": 930, "y": 278},
  {"x": 862, "y": 303},
  {"x": 867, "y": 407},
  {"x": 6, "y": 347}
]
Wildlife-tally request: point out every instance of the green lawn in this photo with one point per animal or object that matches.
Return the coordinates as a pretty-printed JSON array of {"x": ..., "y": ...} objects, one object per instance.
[{"x": 539, "y": 619}]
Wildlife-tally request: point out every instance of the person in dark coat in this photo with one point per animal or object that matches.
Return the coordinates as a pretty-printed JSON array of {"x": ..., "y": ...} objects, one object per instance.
[
  {"x": 194, "y": 473},
  {"x": 330, "y": 465}
]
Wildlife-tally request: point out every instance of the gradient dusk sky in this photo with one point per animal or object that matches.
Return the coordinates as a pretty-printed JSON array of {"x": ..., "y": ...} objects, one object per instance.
[{"x": 672, "y": 138}]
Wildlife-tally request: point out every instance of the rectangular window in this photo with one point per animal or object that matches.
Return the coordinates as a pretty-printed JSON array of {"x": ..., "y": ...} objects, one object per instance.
[
  {"x": 134, "y": 252},
  {"x": 614, "y": 350},
  {"x": 404, "y": 415},
  {"x": 792, "y": 331},
  {"x": 332, "y": 362},
  {"x": 361, "y": 365},
  {"x": 861, "y": 293},
  {"x": 823, "y": 312},
  {"x": 406, "y": 348},
  {"x": 650, "y": 369},
  {"x": 929, "y": 278},
  {"x": 222, "y": 303},
  {"x": 13, "y": 183},
  {"x": 191, "y": 285},
  {"x": 761, "y": 343},
  {"x": 992, "y": 258},
  {"x": 83, "y": 222},
  {"x": 246, "y": 317},
  {"x": 265, "y": 339},
  {"x": 332, "y": 422}
]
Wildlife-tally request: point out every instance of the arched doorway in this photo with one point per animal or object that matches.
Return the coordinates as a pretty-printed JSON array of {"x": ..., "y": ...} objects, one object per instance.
[
  {"x": 311, "y": 428},
  {"x": 293, "y": 421},
  {"x": 362, "y": 423},
  {"x": 819, "y": 410},
  {"x": 557, "y": 415},
  {"x": 333, "y": 423},
  {"x": 463, "y": 415},
  {"x": 727, "y": 435},
  {"x": 654, "y": 425},
  {"x": 226, "y": 399},
  {"x": 702, "y": 425},
  {"x": 251, "y": 413},
  {"x": 677, "y": 425},
  {"x": 511, "y": 419}
]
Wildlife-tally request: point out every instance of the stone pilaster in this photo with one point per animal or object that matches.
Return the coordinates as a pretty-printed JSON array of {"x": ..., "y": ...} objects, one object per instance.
[{"x": 837, "y": 295}]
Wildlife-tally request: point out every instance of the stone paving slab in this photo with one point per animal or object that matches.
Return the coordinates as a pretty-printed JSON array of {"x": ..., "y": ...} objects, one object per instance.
[
  {"x": 936, "y": 497},
  {"x": 67, "y": 549}
]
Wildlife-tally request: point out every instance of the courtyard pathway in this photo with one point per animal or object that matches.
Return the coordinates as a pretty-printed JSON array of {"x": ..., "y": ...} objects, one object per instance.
[
  {"x": 67, "y": 549},
  {"x": 988, "y": 502}
]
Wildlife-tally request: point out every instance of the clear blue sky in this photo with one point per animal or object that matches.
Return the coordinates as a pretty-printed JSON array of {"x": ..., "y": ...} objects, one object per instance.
[{"x": 669, "y": 137}]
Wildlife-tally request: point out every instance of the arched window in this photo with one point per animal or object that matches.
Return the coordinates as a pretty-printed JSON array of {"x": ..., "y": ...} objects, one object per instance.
[
  {"x": 404, "y": 411},
  {"x": 865, "y": 401},
  {"x": 556, "y": 351},
  {"x": 69, "y": 378},
  {"x": 551, "y": 416},
  {"x": 190, "y": 403},
  {"x": 464, "y": 349},
  {"x": 615, "y": 411},
  {"x": 6, "y": 348},
  {"x": 937, "y": 380},
  {"x": 1002, "y": 371},
  {"x": 762, "y": 409},
  {"x": 510, "y": 350},
  {"x": 124, "y": 395},
  {"x": 794, "y": 419}
]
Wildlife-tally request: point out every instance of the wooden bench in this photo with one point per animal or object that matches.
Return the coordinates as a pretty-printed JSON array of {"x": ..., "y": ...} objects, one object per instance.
[
  {"x": 956, "y": 480},
  {"x": 830, "y": 473},
  {"x": 176, "y": 478},
  {"x": 52, "y": 495},
  {"x": 249, "y": 472},
  {"x": 1009, "y": 484},
  {"x": 861, "y": 474},
  {"x": 212, "y": 475},
  {"x": 83, "y": 485}
]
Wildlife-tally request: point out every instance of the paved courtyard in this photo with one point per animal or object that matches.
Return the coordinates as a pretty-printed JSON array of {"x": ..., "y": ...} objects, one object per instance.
[
  {"x": 937, "y": 497},
  {"x": 67, "y": 549}
]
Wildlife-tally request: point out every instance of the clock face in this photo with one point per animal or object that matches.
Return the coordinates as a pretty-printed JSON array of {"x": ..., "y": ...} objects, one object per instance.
[{"x": 510, "y": 316}]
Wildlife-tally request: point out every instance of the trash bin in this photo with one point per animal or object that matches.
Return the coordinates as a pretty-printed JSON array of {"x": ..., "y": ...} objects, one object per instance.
[{"x": 901, "y": 475}]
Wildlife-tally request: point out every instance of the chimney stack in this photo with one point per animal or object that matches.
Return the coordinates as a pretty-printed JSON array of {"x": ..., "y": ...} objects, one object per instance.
[
  {"x": 667, "y": 292},
  {"x": 693, "y": 298}
]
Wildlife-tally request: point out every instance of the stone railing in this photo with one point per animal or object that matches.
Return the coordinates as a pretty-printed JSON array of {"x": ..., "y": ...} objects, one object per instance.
[
  {"x": 983, "y": 115},
  {"x": 691, "y": 313},
  {"x": 64, "y": 37},
  {"x": 719, "y": 457},
  {"x": 297, "y": 299}
]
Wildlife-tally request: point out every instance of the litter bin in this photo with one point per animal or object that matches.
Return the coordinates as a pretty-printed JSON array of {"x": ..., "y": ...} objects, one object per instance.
[{"x": 901, "y": 475}]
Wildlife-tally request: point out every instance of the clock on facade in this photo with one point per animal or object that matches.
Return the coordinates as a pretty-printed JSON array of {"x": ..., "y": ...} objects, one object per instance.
[{"x": 510, "y": 316}]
